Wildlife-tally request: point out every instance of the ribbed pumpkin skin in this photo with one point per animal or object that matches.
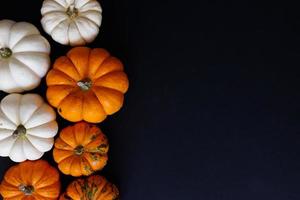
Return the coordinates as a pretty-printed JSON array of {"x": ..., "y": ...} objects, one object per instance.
[
  {"x": 87, "y": 84},
  {"x": 81, "y": 149},
  {"x": 39, "y": 174},
  {"x": 92, "y": 188}
]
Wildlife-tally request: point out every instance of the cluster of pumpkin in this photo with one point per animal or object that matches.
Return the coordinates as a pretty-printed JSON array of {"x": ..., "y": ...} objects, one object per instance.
[{"x": 85, "y": 86}]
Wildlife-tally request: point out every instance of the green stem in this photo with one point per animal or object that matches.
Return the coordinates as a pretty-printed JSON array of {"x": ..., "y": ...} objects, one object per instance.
[
  {"x": 26, "y": 189},
  {"x": 20, "y": 131},
  {"x": 5, "y": 52},
  {"x": 85, "y": 84},
  {"x": 72, "y": 12},
  {"x": 79, "y": 150}
]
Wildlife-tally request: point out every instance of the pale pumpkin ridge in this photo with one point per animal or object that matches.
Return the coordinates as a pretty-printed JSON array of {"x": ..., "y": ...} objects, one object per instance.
[
  {"x": 32, "y": 113},
  {"x": 9, "y": 31},
  {"x": 18, "y": 105},
  {"x": 68, "y": 38},
  {"x": 84, "y": 4},
  {"x": 59, "y": 19},
  {"x": 90, "y": 11},
  {"x": 63, "y": 6},
  {"x": 62, "y": 21},
  {"x": 57, "y": 25},
  {"x": 31, "y": 145},
  {"x": 26, "y": 66},
  {"x": 4, "y": 115},
  {"x": 50, "y": 123},
  {"x": 56, "y": 10},
  {"x": 7, "y": 135},
  {"x": 13, "y": 146},
  {"x": 29, "y": 30},
  {"x": 78, "y": 29},
  {"x": 24, "y": 37},
  {"x": 92, "y": 6},
  {"x": 10, "y": 70},
  {"x": 89, "y": 20}
]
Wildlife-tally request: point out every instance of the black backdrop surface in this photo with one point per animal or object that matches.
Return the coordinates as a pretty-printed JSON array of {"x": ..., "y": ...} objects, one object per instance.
[{"x": 213, "y": 108}]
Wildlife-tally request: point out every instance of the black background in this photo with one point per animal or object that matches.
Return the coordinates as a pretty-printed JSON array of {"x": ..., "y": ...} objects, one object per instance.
[{"x": 213, "y": 107}]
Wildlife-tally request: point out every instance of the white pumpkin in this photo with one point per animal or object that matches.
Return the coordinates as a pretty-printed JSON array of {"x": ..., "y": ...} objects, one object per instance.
[
  {"x": 27, "y": 127},
  {"x": 72, "y": 22},
  {"x": 24, "y": 56}
]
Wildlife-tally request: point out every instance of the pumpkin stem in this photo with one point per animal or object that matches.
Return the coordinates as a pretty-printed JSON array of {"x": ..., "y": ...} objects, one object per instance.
[
  {"x": 20, "y": 131},
  {"x": 5, "y": 52},
  {"x": 79, "y": 150},
  {"x": 26, "y": 189},
  {"x": 72, "y": 12},
  {"x": 85, "y": 84}
]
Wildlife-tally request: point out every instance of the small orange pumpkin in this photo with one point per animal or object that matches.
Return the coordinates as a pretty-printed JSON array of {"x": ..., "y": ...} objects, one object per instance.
[
  {"x": 30, "y": 180},
  {"x": 80, "y": 149},
  {"x": 87, "y": 84},
  {"x": 92, "y": 188}
]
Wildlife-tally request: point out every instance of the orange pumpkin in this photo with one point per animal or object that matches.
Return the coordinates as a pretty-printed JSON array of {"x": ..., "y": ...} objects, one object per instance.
[
  {"x": 80, "y": 149},
  {"x": 87, "y": 84},
  {"x": 31, "y": 180},
  {"x": 92, "y": 188},
  {"x": 64, "y": 196}
]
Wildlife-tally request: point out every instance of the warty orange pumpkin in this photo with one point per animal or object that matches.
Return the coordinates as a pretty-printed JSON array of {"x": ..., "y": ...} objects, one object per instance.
[
  {"x": 31, "y": 180},
  {"x": 87, "y": 84},
  {"x": 92, "y": 188},
  {"x": 81, "y": 149}
]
